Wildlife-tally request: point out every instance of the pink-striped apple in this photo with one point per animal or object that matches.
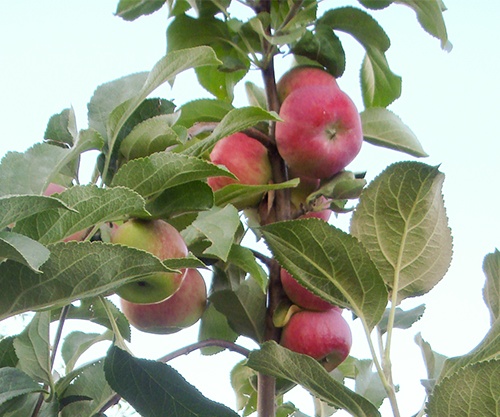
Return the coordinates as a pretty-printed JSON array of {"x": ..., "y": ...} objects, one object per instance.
[
  {"x": 247, "y": 159},
  {"x": 183, "y": 309},
  {"x": 323, "y": 335},
  {"x": 162, "y": 240},
  {"x": 320, "y": 133}
]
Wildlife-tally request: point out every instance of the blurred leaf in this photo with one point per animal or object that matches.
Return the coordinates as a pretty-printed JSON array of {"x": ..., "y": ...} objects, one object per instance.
[
  {"x": 244, "y": 308},
  {"x": 369, "y": 384},
  {"x": 214, "y": 325},
  {"x": 153, "y": 387},
  {"x": 401, "y": 220},
  {"x": 87, "y": 383},
  {"x": 330, "y": 263},
  {"x": 155, "y": 173},
  {"x": 246, "y": 394},
  {"x": 203, "y": 110},
  {"x": 256, "y": 95},
  {"x": 491, "y": 290},
  {"x": 430, "y": 17},
  {"x": 94, "y": 206},
  {"x": 244, "y": 258},
  {"x": 33, "y": 349},
  {"x": 22, "y": 249},
  {"x": 402, "y": 319},
  {"x": 18, "y": 207},
  {"x": 62, "y": 128},
  {"x": 190, "y": 197},
  {"x": 383, "y": 128},
  {"x": 152, "y": 135},
  {"x": 133, "y": 9},
  {"x": 234, "y": 121},
  {"x": 375, "y": 4},
  {"x": 277, "y": 361},
  {"x": 14, "y": 382},
  {"x": 324, "y": 47},
  {"x": 433, "y": 362},
  {"x": 76, "y": 343},
  {"x": 76, "y": 270},
  {"x": 8, "y": 357},
  {"x": 20, "y": 406},
  {"x": 472, "y": 391}
]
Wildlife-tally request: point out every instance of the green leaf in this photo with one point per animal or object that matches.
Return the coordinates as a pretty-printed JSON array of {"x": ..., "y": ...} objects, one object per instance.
[
  {"x": 214, "y": 325},
  {"x": 33, "y": 349},
  {"x": 244, "y": 258},
  {"x": 331, "y": 264},
  {"x": 275, "y": 360},
  {"x": 164, "y": 70},
  {"x": 246, "y": 394},
  {"x": 75, "y": 270},
  {"x": 430, "y": 17},
  {"x": 402, "y": 319},
  {"x": 375, "y": 4},
  {"x": 488, "y": 349},
  {"x": 62, "y": 128},
  {"x": 401, "y": 220},
  {"x": 14, "y": 382},
  {"x": 190, "y": 197},
  {"x": 132, "y": 9},
  {"x": 383, "y": 128},
  {"x": 244, "y": 308},
  {"x": 239, "y": 194},
  {"x": 18, "y": 207},
  {"x": 324, "y": 47},
  {"x": 234, "y": 121},
  {"x": 88, "y": 383},
  {"x": 256, "y": 95},
  {"x": 433, "y": 362},
  {"x": 94, "y": 206},
  {"x": 472, "y": 391},
  {"x": 22, "y": 249},
  {"x": 76, "y": 343},
  {"x": 155, "y": 173},
  {"x": 8, "y": 357},
  {"x": 369, "y": 384},
  {"x": 20, "y": 406},
  {"x": 203, "y": 110},
  {"x": 152, "y": 135},
  {"x": 154, "y": 388},
  {"x": 218, "y": 226},
  {"x": 491, "y": 290}
]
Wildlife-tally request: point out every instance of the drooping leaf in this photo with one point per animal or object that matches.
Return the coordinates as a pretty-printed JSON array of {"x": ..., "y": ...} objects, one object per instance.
[
  {"x": 383, "y": 128},
  {"x": 22, "y": 249},
  {"x": 14, "y": 382},
  {"x": 214, "y": 325},
  {"x": 331, "y": 264},
  {"x": 234, "y": 121},
  {"x": 402, "y": 319},
  {"x": 275, "y": 360},
  {"x": 61, "y": 128},
  {"x": 244, "y": 308},
  {"x": 470, "y": 392},
  {"x": 160, "y": 171},
  {"x": 433, "y": 362},
  {"x": 244, "y": 258},
  {"x": 94, "y": 206},
  {"x": 491, "y": 290},
  {"x": 75, "y": 270},
  {"x": 368, "y": 383},
  {"x": 401, "y": 220},
  {"x": 133, "y": 9},
  {"x": 76, "y": 343},
  {"x": 33, "y": 349},
  {"x": 246, "y": 394},
  {"x": 155, "y": 388}
]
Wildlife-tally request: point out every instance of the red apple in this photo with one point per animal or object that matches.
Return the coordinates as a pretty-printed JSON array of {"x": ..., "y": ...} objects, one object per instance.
[
  {"x": 301, "y": 296},
  {"x": 320, "y": 133},
  {"x": 303, "y": 76},
  {"x": 162, "y": 240},
  {"x": 247, "y": 159},
  {"x": 319, "y": 334},
  {"x": 181, "y": 310}
]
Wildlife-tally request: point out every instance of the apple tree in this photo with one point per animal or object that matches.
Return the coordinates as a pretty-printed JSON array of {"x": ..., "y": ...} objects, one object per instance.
[{"x": 212, "y": 174}]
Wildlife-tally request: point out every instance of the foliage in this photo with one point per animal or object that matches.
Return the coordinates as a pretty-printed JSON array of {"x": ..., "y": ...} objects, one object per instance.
[{"x": 153, "y": 164}]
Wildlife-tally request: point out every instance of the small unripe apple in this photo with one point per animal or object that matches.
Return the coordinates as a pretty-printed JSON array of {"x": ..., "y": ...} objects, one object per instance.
[
  {"x": 303, "y": 76},
  {"x": 301, "y": 296},
  {"x": 320, "y": 133},
  {"x": 181, "y": 310},
  {"x": 162, "y": 240},
  {"x": 247, "y": 159},
  {"x": 319, "y": 334}
]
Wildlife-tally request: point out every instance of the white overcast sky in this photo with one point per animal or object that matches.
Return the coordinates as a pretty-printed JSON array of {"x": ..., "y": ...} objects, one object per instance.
[{"x": 55, "y": 53}]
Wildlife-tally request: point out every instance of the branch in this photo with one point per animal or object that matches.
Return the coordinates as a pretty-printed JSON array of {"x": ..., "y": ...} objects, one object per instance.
[{"x": 204, "y": 343}]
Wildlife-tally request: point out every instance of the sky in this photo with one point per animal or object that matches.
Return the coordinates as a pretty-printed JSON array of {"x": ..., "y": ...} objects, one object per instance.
[{"x": 55, "y": 53}]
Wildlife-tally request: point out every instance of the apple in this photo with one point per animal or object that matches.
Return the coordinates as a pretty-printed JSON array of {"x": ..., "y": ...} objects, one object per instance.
[
  {"x": 303, "y": 76},
  {"x": 323, "y": 335},
  {"x": 300, "y": 295},
  {"x": 247, "y": 159},
  {"x": 320, "y": 133},
  {"x": 181, "y": 310},
  {"x": 162, "y": 240}
]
